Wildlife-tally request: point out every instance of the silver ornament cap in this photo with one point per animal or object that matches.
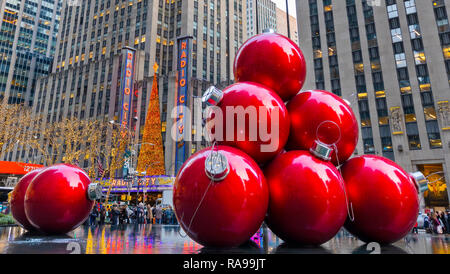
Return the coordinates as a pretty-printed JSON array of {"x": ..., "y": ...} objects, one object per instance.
[
  {"x": 419, "y": 180},
  {"x": 212, "y": 96},
  {"x": 268, "y": 30},
  {"x": 95, "y": 191},
  {"x": 216, "y": 166},
  {"x": 321, "y": 150}
]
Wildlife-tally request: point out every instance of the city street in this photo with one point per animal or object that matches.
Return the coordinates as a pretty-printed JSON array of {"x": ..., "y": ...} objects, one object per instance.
[{"x": 165, "y": 239}]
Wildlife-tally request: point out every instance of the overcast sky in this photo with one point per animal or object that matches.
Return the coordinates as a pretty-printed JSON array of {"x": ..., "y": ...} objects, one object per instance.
[{"x": 282, "y": 5}]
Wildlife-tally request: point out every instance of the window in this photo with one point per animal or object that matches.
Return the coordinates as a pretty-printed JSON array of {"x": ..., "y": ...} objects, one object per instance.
[
  {"x": 413, "y": 136},
  {"x": 434, "y": 135}
]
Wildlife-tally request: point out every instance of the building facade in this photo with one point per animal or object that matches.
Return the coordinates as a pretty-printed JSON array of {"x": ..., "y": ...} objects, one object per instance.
[
  {"x": 282, "y": 25},
  {"x": 28, "y": 34},
  {"x": 390, "y": 59},
  {"x": 85, "y": 82},
  {"x": 261, "y": 14}
]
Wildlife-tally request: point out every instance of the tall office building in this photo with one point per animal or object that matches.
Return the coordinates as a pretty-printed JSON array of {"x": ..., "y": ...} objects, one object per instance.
[
  {"x": 28, "y": 31},
  {"x": 95, "y": 40},
  {"x": 261, "y": 14},
  {"x": 282, "y": 25},
  {"x": 391, "y": 60}
]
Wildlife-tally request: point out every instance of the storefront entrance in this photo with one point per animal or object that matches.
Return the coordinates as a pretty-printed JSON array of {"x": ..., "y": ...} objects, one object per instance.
[
  {"x": 436, "y": 195},
  {"x": 147, "y": 198}
]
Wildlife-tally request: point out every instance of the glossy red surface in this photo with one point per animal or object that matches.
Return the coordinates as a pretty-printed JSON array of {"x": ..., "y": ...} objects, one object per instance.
[
  {"x": 273, "y": 60},
  {"x": 321, "y": 115},
  {"x": 307, "y": 201},
  {"x": 260, "y": 142},
  {"x": 18, "y": 198},
  {"x": 232, "y": 210},
  {"x": 56, "y": 201},
  {"x": 384, "y": 200}
]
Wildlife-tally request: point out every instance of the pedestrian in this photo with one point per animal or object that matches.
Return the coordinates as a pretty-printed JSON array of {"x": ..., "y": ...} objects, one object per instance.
[
  {"x": 141, "y": 213},
  {"x": 102, "y": 215},
  {"x": 115, "y": 215},
  {"x": 149, "y": 214},
  {"x": 447, "y": 218},
  {"x": 443, "y": 220},
  {"x": 437, "y": 229},
  {"x": 158, "y": 214},
  {"x": 415, "y": 229},
  {"x": 171, "y": 215},
  {"x": 129, "y": 214},
  {"x": 93, "y": 216},
  {"x": 427, "y": 223}
]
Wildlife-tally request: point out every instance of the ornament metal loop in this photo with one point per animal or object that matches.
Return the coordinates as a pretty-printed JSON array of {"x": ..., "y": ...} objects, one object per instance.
[
  {"x": 94, "y": 191},
  {"x": 321, "y": 150},
  {"x": 212, "y": 96},
  {"x": 268, "y": 30},
  {"x": 216, "y": 166},
  {"x": 334, "y": 123}
]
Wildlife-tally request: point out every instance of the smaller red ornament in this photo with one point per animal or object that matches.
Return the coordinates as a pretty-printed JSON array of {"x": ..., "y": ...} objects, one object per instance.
[
  {"x": 250, "y": 117},
  {"x": 273, "y": 60},
  {"x": 220, "y": 197},
  {"x": 60, "y": 198},
  {"x": 307, "y": 202},
  {"x": 383, "y": 197},
  {"x": 18, "y": 198},
  {"x": 320, "y": 119}
]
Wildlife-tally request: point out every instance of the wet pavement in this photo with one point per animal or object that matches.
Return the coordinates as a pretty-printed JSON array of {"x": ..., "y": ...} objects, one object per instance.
[{"x": 166, "y": 239}]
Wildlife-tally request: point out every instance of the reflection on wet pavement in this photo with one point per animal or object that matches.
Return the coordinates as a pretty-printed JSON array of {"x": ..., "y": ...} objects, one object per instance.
[{"x": 164, "y": 239}]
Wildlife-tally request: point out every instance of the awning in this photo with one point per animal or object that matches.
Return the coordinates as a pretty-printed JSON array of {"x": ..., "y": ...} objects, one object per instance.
[{"x": 16, "y": 168}]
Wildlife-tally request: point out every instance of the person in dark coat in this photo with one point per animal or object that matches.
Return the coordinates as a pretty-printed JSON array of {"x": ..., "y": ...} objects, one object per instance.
[
  {"x": 93, "y": 216},
  {"x": 115, "y": 215},
  {"x": 102, "y": 215}
]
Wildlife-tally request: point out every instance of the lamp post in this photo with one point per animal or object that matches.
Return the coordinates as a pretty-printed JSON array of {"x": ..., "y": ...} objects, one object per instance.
[
  {"x": 287, "y": 20},
  {"x": 133, "y": 170}
]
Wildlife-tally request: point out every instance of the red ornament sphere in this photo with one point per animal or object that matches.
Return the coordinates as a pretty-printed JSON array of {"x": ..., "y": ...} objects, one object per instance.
[
  {"x": 273, "y": 60},
  {"x": 232, "y": 210},
  {"x": 18, "y": 199},
  {"x": 307, "y": 202},
  {"x": 254, "y": 120},
  {"x": 318, "y": 115},
  {"x": 384, "y": 200},
  {"x": 56, "y": 201}
]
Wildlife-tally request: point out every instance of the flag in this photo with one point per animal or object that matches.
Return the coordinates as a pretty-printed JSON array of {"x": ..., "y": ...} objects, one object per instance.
[{"x": 100, "y": 168}]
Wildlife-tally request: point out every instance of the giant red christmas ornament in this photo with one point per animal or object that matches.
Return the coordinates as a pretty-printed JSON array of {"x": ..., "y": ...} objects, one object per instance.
[
  {"x": 249, "y": 116},
  {"x": 220, "y": 197},
  {"x": 60, "y": 198},
  {"x": 307, "y": 198},
  {"x": 272, "y": 60},
  {"x": 18, "y": 198},
  {"x": 383, "y": 197},
  {"x": 320, "y": 118}
]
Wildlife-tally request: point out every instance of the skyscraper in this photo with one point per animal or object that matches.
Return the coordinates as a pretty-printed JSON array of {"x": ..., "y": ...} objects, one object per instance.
[
  {"x": 261, "y": 14},
  {"x": 28, "y": 31},
  {"x": 390, "y": 59},
  {"x": 95, "y": 39}
]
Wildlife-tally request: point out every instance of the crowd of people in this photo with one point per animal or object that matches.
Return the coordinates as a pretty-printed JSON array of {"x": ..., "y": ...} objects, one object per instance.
[
  {"x": 118, "y": 214},
  {"x": 436, "y": 223}
]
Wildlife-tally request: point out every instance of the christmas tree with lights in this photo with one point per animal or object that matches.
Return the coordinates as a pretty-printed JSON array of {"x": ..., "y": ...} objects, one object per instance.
[{"x": 151, "y": 155}]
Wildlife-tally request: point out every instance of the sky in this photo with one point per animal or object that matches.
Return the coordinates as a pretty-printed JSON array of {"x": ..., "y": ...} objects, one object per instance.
[{"x": 282, "y": 5}]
